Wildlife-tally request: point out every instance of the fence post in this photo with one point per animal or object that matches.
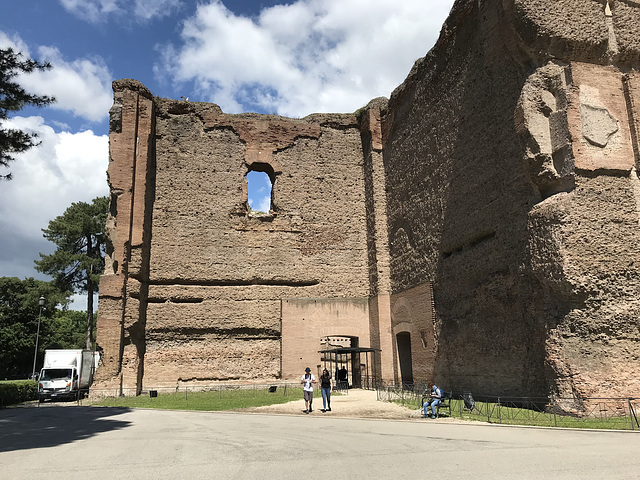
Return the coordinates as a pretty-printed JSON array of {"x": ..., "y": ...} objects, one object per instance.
[
  {"x": 631, "y": 414},
  {"x": 499, "y": 412}
]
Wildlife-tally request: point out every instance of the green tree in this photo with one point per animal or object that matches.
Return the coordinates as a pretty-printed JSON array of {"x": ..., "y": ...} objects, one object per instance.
[
  {"x": 19, "y": 314},
  {"x": 68, "y": 330},
  {"x": 14, "y": 98},
  {"x": 78, "y": 262}
]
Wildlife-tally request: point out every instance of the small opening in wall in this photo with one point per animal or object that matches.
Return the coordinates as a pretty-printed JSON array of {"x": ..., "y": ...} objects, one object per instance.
[
  {"x": 259, "y": 191},
  {"x": 260, "y": 180}
]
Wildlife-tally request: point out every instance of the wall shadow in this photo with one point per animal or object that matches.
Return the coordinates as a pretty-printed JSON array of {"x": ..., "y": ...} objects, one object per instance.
[{"x": 53, "y": 425}]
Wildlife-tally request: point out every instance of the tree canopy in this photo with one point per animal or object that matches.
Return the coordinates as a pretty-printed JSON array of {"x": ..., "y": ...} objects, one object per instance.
[
  {"x": 14, "y": 98},
  {"x": 78, "y": 261},
  {"x": 19, "y": 311}
]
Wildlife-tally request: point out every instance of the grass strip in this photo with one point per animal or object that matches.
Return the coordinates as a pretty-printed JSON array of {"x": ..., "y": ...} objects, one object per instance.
[{"x": 216, "y": 400}]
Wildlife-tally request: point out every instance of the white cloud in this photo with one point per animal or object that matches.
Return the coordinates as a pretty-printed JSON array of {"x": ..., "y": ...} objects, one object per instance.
[
  {"x": 91, "y": 10},
  {"x": 14, "y": 42},
  {"x": 309, "y": 56},
  {"x": 63, "y": 169},
  {"x": 82, "y": 86},
  {"x": 148, "y": 9},
  {"x": 95, "y": 11}
]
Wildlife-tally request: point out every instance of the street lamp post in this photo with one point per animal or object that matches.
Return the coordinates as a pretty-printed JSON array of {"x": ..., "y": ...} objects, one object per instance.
[{"x": 35, "y": 353}]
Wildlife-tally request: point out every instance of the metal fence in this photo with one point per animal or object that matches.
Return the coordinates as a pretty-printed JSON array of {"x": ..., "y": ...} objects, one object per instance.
[
  {"x": 219, "y": 390},
  {"x": 606, "y": 413},
  {"x": 241, "y": 390}
]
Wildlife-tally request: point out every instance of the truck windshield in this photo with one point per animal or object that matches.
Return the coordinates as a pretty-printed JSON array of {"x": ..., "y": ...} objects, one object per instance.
[{"x": 56, "y": 374}]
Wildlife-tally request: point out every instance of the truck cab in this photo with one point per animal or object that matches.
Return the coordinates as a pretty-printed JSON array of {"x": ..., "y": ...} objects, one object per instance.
[{"x": 57, "y": 382}]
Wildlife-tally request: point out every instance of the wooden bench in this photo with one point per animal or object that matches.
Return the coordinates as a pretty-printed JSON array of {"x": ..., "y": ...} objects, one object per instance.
[{"x": 445, "y": 403}]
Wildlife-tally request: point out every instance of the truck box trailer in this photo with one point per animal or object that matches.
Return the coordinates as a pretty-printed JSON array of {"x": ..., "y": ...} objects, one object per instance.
[{"x": 66, "y": 374}]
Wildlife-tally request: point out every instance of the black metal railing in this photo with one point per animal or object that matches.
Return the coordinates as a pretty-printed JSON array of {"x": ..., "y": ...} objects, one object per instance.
[{"x": 612, "y": 413}]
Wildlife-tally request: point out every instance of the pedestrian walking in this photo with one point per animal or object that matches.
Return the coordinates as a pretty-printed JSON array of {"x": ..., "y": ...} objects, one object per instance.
[
  {"x": 307, "y": 380},
  {"x": 325, "y": 387}
]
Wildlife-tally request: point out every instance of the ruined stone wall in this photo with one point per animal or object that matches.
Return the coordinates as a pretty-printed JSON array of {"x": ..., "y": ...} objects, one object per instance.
[
  {"x": 208, "y": 307},
  {"x": 583, "y": 243},
  {"x": 479, "y": 141},
  {"x": 480, "y": 228},
  {"x": 218, "y": 271}
]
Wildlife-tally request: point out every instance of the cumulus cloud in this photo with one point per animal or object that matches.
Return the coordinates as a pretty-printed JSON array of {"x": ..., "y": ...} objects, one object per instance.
[
  {"x": 95, "y": 11},
  {"x": 63, "y": 169},
  {"x": 91, "y": 10},
  {"x": 307, "y": 56},
  {"x": 81, "y": 86}
]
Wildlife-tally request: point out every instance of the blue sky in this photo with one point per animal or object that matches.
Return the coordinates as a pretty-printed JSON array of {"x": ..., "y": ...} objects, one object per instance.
[{"x": 267, "y": 56}]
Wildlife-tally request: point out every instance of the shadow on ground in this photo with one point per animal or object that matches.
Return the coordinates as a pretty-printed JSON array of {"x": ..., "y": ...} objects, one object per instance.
[{"x": 24, "y": 428}]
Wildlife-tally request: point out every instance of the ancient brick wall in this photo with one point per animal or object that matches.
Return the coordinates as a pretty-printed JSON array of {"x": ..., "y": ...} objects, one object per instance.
[
  {"x": 218, "y": 271},
  {"x": 487, "y": 132},
  {"x": 209, "y": 308},
  {"x": 479, "y": 228},
  {"x": 305, "y": 321}
]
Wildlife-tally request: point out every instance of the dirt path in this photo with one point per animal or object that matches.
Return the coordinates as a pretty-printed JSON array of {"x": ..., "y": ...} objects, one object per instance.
[{"x": 356, "y": 403}]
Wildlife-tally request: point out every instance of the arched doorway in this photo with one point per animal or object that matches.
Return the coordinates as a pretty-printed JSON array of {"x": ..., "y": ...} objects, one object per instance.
[{"x": 403, "y": 341}]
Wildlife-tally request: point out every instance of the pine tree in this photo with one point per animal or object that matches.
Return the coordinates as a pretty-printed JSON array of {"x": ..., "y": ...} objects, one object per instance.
[
  {"x": 77, "y": 263},
  {"x": 14, "y": 98}
]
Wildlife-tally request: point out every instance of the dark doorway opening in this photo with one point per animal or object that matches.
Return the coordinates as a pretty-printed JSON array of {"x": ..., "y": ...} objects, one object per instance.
[{"x": 403, "y": 340}]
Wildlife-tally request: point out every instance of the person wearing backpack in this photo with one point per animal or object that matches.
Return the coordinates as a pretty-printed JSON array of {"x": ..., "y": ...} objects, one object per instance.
[
  {"x": 434, "y": 401},
  {"x": 307, "y": 380}
]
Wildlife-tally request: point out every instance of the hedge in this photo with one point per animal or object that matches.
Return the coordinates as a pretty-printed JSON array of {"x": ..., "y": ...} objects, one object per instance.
[{"x": 17, "y": 391}]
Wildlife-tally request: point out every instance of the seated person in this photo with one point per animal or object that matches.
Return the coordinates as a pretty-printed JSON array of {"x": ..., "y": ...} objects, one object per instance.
[{"x": 434, "y": 401}]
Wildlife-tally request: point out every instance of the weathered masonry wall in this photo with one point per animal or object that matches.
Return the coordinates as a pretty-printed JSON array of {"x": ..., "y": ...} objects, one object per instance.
[
  {"x": 218, "y": 271},
  {"x": 123, "y": 287},
  {"x": 210, "y": 306},
  {"x": 509, "y": 159},
  {"x": 480, "y": 228}
]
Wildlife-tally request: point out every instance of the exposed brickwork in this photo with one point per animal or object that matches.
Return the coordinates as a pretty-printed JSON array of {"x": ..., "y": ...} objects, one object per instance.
[{"x": 480, "y": 227}]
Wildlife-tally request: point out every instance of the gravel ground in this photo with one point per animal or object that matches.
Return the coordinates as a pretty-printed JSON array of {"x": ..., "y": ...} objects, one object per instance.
[{"x": 356, "y": 404}]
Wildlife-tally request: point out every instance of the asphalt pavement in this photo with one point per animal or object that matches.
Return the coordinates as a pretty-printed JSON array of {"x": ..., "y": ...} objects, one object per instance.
[{"x": 119, "y": 443}]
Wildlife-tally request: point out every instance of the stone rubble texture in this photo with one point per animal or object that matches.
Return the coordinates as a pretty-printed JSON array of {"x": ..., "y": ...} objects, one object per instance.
[{"x": 480, "y": 227}]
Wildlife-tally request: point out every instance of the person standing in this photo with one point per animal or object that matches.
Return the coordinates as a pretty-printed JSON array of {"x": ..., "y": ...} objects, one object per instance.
[
  {"x": 308, "y": 379},
  {"x": 325, "y": 387}
]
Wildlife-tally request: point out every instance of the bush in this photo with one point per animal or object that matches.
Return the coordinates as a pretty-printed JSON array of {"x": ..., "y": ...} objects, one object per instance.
[{"x": 17, "y": 391}]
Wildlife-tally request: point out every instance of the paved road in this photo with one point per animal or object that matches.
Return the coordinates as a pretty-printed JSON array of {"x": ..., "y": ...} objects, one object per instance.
[{"x": 113, "y": 443}]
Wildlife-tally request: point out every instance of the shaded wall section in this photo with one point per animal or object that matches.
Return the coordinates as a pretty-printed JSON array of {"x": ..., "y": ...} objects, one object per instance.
[{"x": 486, "y": 159}]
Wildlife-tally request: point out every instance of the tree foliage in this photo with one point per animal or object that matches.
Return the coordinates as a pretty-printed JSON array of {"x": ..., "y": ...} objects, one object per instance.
[
  {"x": 68, "y": 330},
  {"x": 78, "y": 261},
  {"x": 19, "y": 312},
  {"x": 14, "y": 98}
]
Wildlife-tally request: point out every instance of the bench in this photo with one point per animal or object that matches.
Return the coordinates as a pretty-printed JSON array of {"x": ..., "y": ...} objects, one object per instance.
[{"x": 445, "y": 404}]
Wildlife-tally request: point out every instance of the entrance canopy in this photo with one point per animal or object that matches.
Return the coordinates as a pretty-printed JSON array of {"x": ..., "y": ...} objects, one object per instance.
[{"x": 351, "y": 366}]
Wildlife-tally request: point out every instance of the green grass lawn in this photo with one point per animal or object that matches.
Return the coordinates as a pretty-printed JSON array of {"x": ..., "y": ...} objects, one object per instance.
[
  {"x": 492, "y": 413},
  {"x": 207, "y": 401}
]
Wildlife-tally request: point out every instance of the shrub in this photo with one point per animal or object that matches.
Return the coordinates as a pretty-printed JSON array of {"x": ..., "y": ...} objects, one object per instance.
[{"x": 17, "y": 391}]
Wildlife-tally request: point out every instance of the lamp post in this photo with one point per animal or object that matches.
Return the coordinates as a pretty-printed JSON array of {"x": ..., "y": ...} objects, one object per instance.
[{"x": 35, "y": 353}]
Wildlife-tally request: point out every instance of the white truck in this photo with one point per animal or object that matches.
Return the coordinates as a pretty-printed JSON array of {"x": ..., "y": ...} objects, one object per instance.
[{"x": 66, "y": 374}]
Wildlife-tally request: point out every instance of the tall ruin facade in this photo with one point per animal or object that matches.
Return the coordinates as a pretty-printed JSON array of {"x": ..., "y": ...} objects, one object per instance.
[{"x": 479, "y": 228}]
